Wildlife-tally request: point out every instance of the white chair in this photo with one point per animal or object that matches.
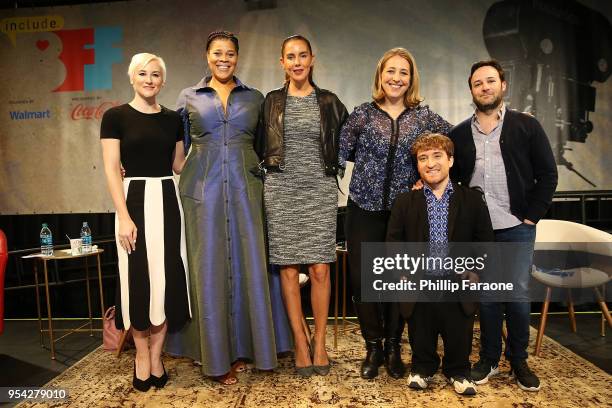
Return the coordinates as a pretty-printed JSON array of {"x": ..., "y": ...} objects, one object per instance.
[{"x": 565, "y": 236}]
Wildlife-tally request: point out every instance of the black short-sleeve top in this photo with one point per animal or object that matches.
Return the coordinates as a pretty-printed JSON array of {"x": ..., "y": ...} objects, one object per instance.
[{"x": 147, "y": 140}]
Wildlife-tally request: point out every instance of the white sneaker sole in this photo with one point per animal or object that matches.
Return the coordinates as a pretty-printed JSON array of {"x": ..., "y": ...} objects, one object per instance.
[
  {"x": 494, "y": 371},
  {"x": 416, "y": 386},
  {"x": 467, "y": 390},
  {"x": 522, "y": 387}
]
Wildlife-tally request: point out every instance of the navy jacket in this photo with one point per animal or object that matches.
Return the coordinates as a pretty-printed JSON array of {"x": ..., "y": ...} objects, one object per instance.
[{"x": 531, "y": 170}]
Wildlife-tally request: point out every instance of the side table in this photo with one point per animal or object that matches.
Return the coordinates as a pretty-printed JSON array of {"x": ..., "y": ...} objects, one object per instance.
[{"x": 61, "y": 255}]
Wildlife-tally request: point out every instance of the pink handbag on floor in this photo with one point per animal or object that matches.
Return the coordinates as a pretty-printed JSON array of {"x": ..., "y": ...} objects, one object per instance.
[{"x": 111, "y": 336}]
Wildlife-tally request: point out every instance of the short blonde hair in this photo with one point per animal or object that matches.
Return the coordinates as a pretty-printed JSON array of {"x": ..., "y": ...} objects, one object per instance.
[
  {"x": 412, "y": 97},
  {"x": 141, "y": 60}
]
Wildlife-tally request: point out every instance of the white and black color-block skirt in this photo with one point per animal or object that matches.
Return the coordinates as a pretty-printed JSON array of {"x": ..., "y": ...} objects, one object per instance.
[{"x": 153, "y": 280}]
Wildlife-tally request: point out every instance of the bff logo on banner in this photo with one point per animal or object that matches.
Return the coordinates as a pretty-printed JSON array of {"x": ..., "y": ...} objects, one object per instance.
[{"x": 88, "y": 54}]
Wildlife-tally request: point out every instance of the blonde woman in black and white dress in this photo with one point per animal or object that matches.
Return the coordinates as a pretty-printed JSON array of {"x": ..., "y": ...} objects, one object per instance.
[{"x": 147, "y": 140}]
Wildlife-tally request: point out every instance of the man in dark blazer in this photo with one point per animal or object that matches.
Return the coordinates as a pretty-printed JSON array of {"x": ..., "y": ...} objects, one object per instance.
[
  {"x": 439, "y": 213},
  {"x": 508, "y": 156}
]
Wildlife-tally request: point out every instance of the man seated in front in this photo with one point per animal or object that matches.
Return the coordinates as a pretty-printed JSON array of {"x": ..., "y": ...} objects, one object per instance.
[{"x": 439, "y": 213}]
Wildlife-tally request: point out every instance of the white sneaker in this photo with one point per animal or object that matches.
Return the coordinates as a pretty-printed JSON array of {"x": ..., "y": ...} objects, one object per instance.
[
  {"x": 525, "y": 378},
  {"x": 462, "y": 385},
  {"x": 483, "y": 370},
  {"x": 418, "y": 382}
]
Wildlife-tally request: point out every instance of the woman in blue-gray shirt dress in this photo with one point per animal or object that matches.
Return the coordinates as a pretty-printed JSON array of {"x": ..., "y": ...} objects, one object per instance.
[{"x": 235, "y": 299}]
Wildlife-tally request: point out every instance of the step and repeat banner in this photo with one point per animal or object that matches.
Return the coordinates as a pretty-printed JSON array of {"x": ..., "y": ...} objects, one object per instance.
[{"x": 63, "y": 67}]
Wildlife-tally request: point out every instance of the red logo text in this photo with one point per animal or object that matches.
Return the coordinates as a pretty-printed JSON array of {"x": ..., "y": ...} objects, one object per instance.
[{"x": 82, "y": 111}]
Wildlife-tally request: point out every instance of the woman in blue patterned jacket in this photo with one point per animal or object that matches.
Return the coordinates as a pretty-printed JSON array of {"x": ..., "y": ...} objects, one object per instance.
[{"x": 377, "y": 137}]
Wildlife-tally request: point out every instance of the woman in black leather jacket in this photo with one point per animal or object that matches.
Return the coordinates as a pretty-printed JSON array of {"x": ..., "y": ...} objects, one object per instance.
[{"x": 301, "y": 125}]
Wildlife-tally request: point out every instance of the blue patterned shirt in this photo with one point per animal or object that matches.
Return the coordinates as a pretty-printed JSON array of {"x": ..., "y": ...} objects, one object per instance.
[
  {"x": 380, "y": 148},
  {"x": 437, "y": 213}
]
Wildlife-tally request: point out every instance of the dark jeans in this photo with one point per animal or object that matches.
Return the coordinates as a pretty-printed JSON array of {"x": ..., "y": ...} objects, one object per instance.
[
  {"x": 456, "y": 329},
  {"x": 376, "y": 320},
  {"x": 517, "y": 313}
]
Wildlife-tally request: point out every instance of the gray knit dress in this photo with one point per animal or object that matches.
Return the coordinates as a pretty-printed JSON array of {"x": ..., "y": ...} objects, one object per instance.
[{"x": 301, "y": 201}]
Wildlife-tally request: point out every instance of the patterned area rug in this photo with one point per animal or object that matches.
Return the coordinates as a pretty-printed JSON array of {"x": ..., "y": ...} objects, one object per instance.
[{"x": 101, "y": 379}]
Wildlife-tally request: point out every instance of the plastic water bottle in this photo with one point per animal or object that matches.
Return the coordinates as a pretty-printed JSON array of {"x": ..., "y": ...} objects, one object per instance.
[
  {"x": 46, "y": 241},
  {"x": 86, "y": 237}
]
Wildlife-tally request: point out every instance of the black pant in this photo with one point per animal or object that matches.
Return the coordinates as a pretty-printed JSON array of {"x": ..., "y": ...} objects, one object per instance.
[
  {"x": 448, "y": 320},
  {"x": 376, "y": 320}
]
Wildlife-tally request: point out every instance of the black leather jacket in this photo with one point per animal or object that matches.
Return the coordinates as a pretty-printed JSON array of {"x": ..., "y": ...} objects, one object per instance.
[{"x": 270, "y": 143}]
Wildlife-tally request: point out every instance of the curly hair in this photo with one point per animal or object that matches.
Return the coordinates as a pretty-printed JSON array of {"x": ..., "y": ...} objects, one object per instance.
[{"x": 428, "y": 141}]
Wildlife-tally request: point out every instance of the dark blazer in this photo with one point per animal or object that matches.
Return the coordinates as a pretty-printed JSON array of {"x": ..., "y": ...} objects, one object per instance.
[
  {"x": 468, "y": 221},
  {"x": 333, "y": 115},
  {"x": 531, "y": 170}
]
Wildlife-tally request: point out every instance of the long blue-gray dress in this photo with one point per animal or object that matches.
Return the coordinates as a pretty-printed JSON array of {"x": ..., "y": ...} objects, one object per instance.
[{"x": 236, "y": 303}]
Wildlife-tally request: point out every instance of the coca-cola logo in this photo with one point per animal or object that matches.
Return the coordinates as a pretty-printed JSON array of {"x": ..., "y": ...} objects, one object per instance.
[{"x": 82, "y": 111}]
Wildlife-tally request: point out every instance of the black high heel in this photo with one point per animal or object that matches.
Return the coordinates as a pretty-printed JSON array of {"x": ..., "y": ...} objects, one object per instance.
[
  {"x": 319, "y": 369},
  {"x": 160, "y": 382},
  {"x": 306, "y": 371},
  {"x": 140, "y": 385}
]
